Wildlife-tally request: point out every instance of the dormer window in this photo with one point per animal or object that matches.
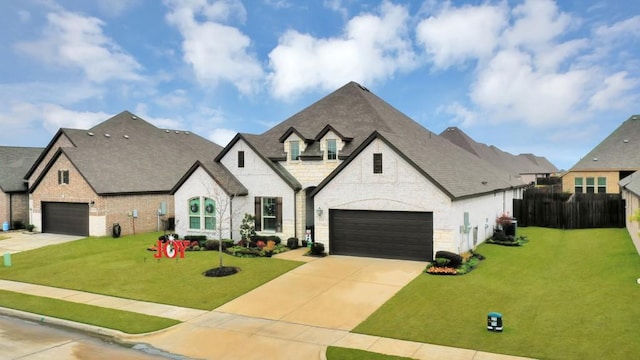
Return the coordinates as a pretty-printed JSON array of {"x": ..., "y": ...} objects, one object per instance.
[
  {"x": 294, "y": 150},
  {"x": 332, "y": 149}
]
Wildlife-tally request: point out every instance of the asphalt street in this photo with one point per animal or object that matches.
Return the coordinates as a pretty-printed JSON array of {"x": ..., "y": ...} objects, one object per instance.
[{"x": 26, "y": 340}]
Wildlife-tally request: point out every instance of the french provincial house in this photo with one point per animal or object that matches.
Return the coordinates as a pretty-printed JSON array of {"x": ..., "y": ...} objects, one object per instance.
[
  {"x": 14, "y": 197},
  {"x": 615, "y": 158},
  {"x": 364, "y": 178},
  {"x": 120, "y": 171}
]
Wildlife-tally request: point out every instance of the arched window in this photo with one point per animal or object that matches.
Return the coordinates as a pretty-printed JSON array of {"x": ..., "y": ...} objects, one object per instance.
[
  {"x": 209, "y": 214},
  {"x": 194, "y": 213}
]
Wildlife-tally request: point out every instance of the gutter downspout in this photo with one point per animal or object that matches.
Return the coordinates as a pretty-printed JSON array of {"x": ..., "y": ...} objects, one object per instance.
[{"x": 231, "y": 216}]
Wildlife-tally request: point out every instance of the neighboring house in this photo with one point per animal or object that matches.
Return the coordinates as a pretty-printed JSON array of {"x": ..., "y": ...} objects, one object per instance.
[
  {"x": 615, "y": 158},
  {"x": 120, "y": 171},
  {"x": 14, "y": 197},
  {"x": 367, "y": 179},
  {"x": 630, "y": 187},
  {"x": 528, "y": 167}
]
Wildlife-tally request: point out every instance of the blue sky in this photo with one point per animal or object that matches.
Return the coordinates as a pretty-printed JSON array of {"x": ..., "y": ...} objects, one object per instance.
[{"x": 533, "y": 76}]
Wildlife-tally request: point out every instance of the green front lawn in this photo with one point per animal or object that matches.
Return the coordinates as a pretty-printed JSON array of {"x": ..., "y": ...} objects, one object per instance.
[
  {"x": 124, "y": 267},
  {"x": 340, "y": 353},
  {"x": 125, "y": 321},
  {"x": 564, "y": 295}
]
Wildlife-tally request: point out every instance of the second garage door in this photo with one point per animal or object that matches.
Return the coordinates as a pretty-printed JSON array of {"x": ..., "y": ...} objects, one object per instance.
[
  {"x": 386, "y": 234},
  {"x": 65, "y": 218}
]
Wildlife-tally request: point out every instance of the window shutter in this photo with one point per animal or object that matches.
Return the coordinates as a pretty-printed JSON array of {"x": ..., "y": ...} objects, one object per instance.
[
  {"x": 258, "y": 214},
  {"x": 279, "y": 214},
  {"x": 59, "y": 176}
]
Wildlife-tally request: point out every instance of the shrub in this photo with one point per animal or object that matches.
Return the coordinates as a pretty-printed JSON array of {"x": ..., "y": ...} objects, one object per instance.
[
  {"x": 292, "y": 243},
  {"x": 201, "y": 239},
  {"x": 195, "y": 248},
  {"x": 165, "y": 237},
  {"x": 442, "y": 262},
  {"x": 454, "y": 259},
  {"x": 227, "y": 243},
  {"x": 317, "y": 248},
  {"x": 214, "y": 245},
  {"x": 18, "y": 225},
  {"x": 265, "y": 238}
]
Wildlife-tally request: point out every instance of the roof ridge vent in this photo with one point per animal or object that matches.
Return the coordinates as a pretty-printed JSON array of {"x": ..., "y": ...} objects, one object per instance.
[
  {"x": 167, "y": 131},
  {"x": 90, "y": 133},
  {"x": 107, "y": 135},
  {"x": 133, "y": 117},
  {"x": 125, "y": 136}
]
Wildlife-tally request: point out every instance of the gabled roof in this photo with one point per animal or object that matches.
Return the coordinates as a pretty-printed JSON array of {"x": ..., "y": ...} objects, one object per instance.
[
  {"x": 250, "y": 140},
  {"x": 362, "y": 117},
  {"x": 15, "y": 162},
  {"x": 516, "y": 165},
  {"x": 619, "y": 151},
  {"x": 126, "y": 154},
  {"x": 219, "y": 174},
  {"x": 632, "y": 183}
]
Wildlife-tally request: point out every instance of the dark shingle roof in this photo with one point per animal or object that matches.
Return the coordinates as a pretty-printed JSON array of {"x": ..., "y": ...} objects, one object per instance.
[
  {"x": 15, "y": 162},
  {"x": 516, "y": 165},
  {"x": 619, "y": 151},
  {"x": 360, "y": 116},
  {"x": 126, "y": 154},
  {"x": 218, "y": 173}
]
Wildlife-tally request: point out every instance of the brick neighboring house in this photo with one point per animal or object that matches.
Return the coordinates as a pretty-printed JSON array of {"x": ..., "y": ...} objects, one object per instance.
[
  {"x": 615, "y": 158},
  {"x": 14, "y": 197},
  {"x": 119, "y": 171},
  {"x": 366, "y": 178},
  {"x": 528, "y": 167},
  {"x": 630, "y": 188}
]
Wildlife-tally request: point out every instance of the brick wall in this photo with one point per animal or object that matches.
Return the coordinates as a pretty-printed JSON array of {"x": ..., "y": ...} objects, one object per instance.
[
  {"x": 62, "y": 141},
  {"x": 105, "y": 210}
]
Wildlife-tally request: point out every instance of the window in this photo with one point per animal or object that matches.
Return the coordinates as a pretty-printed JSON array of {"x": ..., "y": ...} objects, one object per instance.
[
  {"x": 194, "y": 213},
  {"x": 268, "y": 214},
  {"x": 294, "y": 149},
  {"x": 199, "y": 215},
  {"x": 209, "y": 214},
  {"x": 332, "y": 149},
  {"x": 578, "y": 185},
  {"x": 377, "y": 163},
  {"x": 590, "y": 185},
  {"x": 63, "y": 176},
  {"x": 602, "y": 185},
  {"x": 240, "y": 159}
]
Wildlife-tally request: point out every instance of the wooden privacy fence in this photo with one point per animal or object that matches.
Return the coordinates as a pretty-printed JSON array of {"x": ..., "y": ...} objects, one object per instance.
[{"x": 569, "y": 211}]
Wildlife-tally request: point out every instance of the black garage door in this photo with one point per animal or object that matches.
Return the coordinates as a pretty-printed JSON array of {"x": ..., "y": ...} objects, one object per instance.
[
  {"x": 385, "y": 234},
  {"x": 65, "y": 218}
]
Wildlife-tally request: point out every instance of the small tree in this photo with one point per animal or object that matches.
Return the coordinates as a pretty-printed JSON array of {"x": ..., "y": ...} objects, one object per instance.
[{"x": 248, "y": 228}]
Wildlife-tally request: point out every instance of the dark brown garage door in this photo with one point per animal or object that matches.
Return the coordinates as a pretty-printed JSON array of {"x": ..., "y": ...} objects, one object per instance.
[
  {"x": 385, "y": 234},
  {"x": 65, "y": 218}
]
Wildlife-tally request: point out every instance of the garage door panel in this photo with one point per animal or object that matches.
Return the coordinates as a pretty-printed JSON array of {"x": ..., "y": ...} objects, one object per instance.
[
  {"x": 65, "y": 218},
  {"x": 388, "y": 234}
]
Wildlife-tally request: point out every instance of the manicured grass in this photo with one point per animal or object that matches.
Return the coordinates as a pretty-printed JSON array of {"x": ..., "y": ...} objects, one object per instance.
[
  {"x": 124, "y": 267},
  {"x": 339, "y": 353},
  {"x": 564, "y": 295},
  {"x": 125, "y": 321}
]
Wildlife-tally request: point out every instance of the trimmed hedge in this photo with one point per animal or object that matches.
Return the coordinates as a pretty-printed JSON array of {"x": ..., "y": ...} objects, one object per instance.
[{"x": 454, "y": 259}]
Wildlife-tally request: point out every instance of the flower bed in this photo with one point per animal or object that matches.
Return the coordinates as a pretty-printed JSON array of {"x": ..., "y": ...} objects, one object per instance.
[{"x": 442, "y": 265}]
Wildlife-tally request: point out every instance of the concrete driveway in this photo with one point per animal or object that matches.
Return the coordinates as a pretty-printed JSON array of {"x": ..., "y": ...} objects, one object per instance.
[
  {"x": 22, "y": 241},
  {"x": 336, "y": 292}
]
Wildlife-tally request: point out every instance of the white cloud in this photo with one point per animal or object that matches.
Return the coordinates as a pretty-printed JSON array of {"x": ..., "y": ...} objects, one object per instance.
[
  {"x": 75, "y": 41},
  {"x": 534, "y": 65},
  {"x": 51, "y": 116},
  {"x": 222, "y": 136},
  {"x": 456, "y": 35},
  {"x": 615, "y": 92},
  {"x": 372, "y": 48},
  {"x": 142, "y": 110},
  {"x": 216, "y": 52}
]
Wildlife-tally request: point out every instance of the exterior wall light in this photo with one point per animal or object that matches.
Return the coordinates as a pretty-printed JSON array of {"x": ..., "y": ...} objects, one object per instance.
[{"x": 319, "y": 211}]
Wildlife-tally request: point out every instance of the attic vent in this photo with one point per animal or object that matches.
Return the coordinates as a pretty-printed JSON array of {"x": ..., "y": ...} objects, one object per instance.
[
  {"x": 90, "y": 133},
  {"x": 125, "y": 136},
  {"x": 134, "y": 117},
  {"x": 186, "y": 133},
  {"x": 167, "y": 131},
  {"x": 107, "y": 135},
  {"x": 634, "y": 118},
  {"x": 177, "y": 132},
  {"x": 625, "y": 141},
  {"x": 595, "y": 159}
]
